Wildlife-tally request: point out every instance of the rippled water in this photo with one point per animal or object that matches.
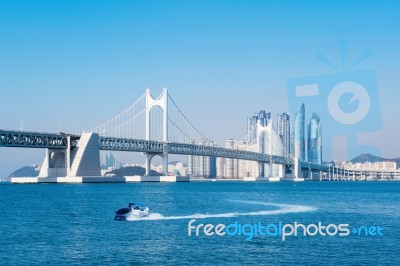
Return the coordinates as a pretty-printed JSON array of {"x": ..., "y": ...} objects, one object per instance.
[{"x": 73, "y": 224}]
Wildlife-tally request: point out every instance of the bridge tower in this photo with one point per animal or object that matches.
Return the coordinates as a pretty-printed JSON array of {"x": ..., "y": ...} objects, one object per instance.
[
  {"x": 268, "y": 132},
  {"x": 161, "y": 102}
]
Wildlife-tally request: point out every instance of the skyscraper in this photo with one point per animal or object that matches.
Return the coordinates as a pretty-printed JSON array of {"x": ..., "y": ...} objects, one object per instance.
[
  {"x": 108, "y": 160},
  {"x": 315, "y": 140},
  {"x": 230, "y": 164},
  {"x": 284, "y": 132},
  {"x": 297, "y": 136}
]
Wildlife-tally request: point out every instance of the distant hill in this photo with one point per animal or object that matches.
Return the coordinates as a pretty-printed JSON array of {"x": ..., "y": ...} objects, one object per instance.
[
  {"x": 26, "y": 171},
  {"x": 132, "y": 170},
  {"x": 372, "y": 158}
]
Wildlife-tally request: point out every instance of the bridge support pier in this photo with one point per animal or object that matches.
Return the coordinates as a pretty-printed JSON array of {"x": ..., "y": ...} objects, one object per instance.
[
  {"x": 281, "y": 170},
  {"x": 260, "y": 167},
  {"x": 270, "y": 169},
  {"x": 298, "y": 173},
  {"x": 84, "y": 160},
  {"x": 165, "y": 161},
  {"x": 149, "y": 156},
  {"x": 55, "y": 163}
]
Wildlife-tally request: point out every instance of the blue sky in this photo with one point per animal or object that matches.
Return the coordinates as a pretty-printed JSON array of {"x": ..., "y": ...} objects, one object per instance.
[{"x": 78, "y": 63}]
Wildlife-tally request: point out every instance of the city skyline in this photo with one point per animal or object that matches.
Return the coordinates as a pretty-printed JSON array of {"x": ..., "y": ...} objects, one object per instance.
[
  {"x": 295, "y": 140},
  {"x": 68, "y": 67}
]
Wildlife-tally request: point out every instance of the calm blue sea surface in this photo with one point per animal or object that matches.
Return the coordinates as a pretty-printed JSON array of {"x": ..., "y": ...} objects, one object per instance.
[{"x": 73, "y": 224}]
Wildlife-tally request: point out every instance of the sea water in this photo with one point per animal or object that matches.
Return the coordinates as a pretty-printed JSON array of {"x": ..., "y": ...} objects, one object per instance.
[{"x": 73, "y": 224}]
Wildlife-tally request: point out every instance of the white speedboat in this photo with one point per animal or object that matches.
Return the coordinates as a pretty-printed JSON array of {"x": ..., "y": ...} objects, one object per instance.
[{"x": 133, "y": 211}]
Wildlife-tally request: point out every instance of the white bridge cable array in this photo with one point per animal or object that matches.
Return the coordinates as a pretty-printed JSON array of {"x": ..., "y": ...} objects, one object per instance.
[
  {"x": 181, "y": 130},
  {"x": 249, "y": 138},
  {"x": 277, "y": 145},
  {"x": 131, "y": 123},
  {"x": 267, "y": 142}
]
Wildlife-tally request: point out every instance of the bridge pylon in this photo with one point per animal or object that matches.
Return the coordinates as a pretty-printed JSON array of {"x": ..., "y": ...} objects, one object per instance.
[
  {"x": 266, "y": 133},
  {"x": 162, "y": 102}
]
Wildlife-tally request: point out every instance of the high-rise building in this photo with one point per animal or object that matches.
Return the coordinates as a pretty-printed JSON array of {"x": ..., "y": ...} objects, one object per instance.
[
  {"x": 108, "y": 160},
  {"x": 230, "y": 164},
  {"x": 283, "y": 121},
  {"x": 315, "y": 140},
  {"x": 264, "y": 117},
  {"x": 297, "y": 136},
  {"x": 251, "y": 122},
  {"x": 220, "y": 167},
  {"x": 203, "y": 166}
]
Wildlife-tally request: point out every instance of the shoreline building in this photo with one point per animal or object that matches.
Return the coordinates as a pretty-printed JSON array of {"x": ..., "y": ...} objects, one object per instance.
[
  {"x": 238, "y": 169},
  {"x": 202, "y": 166},
  {"x": 315, "y": 140},
  {"x": 297, "y": 136},
  {"x": 368, "y": 166}
]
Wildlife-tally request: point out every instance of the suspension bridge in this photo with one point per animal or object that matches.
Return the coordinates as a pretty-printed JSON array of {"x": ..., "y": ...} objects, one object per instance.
[{"x": 154, "y": 127}]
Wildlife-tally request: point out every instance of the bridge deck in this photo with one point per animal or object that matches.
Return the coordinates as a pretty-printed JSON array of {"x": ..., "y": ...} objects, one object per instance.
[
  {"x": 25, "y": 139},
  {"x": 60, "y": 141}
]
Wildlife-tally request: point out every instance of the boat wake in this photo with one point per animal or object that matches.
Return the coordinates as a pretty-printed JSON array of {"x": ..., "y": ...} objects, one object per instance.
[{"x": 280, "y": 209}]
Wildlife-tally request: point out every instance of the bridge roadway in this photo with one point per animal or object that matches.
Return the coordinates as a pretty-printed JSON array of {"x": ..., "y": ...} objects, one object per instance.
[{"x": 25, "y": 139}]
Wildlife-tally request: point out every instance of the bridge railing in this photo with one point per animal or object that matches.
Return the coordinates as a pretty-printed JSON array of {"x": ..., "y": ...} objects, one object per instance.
[
  {"x": 192, "y": 149},
  {"x": 122, "y": 144}
]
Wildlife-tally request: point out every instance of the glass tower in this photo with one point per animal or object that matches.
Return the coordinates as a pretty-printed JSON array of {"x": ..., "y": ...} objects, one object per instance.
[
  {"x": 315, "y": 140},
  {"x": 297, "y": 136}
]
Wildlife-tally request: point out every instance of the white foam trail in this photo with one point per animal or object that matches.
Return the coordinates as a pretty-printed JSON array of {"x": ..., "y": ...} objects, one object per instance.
[{"x": 282, "y": 209}]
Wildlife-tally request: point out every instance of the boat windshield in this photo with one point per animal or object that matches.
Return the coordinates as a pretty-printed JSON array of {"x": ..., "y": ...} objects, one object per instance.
[{"x": 136, "y": 206}]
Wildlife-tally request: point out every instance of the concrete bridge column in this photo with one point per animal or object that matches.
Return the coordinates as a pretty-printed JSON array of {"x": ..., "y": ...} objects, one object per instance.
[
  {"x": 297, "y": 172},
  {"x": 165, "y": 161},
  {"x": 68, "y": 156},
  {"x": 260, "y": 169},
  {"x": 54, "y": 164},
  {"x": 84, "y": 160},
  {"x": 282, "y": 170},
  {"x": 149, "y": 156},
  {"x": 270, "y": 169}
]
